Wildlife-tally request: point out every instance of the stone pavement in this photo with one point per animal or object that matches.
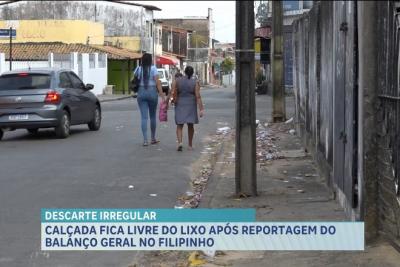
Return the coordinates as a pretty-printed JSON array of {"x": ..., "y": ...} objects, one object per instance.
[{"x": 289, "y": 189}]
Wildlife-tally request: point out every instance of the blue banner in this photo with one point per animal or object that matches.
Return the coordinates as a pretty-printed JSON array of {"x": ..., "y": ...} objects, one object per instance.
[{"x": 147, "y": 215}]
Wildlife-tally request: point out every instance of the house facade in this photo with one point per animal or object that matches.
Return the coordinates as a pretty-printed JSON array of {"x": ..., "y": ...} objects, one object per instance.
[
  {"x": 201, "y": 31},
  {"x": 121, "y": 20}
]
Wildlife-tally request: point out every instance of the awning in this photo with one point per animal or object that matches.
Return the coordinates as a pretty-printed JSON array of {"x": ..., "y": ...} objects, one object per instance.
[{"x": 167, "y": 60}]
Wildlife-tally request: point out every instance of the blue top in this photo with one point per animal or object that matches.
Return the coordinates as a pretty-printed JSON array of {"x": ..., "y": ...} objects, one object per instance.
[{"x": 153, "y": 74}]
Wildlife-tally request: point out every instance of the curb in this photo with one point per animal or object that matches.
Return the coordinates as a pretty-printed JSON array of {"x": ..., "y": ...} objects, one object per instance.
[
  {"x": 209, "y": 190},
  {"x": 114, "y": 99}
]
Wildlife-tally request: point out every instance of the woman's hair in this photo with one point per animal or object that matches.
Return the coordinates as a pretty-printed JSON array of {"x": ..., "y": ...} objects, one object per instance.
[
  {"x": 178, "y": 75},
  {"x": 147, "y": 61},
  {"x": 189, "y": 71}
]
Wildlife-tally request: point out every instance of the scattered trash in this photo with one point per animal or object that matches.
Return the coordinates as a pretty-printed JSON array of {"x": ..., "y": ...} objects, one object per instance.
[
  {"x": 189, "y": 194},
  {"x": 130, "y": 186},
  {"x": 209, "y": 253},
  {"x": 292, "y": 131},
  {"x": 223, "y": 130},
  {"x": 153, "y": 195},
  {"x": 232, "y": 155},
  {"x": 300, "y": 191},
  {"x": 307, "y": 175},
  {"x": 257, "y": 123},
  {"x": 289, "y": 120},
  {"x": 195, "y": 259},
  {"x": 285, "y": 172},
  {"x": 266, "y": 148},
  {"x": 297, "y": 177}
]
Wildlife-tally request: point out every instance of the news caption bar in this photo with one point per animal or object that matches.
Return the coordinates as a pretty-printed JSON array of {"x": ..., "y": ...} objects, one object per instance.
[{"x": 189, "y": 229}]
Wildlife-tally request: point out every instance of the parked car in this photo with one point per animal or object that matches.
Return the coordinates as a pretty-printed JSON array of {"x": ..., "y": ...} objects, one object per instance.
[
  {"x": 46, "y": 98},
  {"x": 164, "y": 79}
]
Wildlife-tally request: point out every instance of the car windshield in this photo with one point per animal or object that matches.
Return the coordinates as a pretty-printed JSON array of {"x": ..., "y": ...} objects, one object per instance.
[
  {"x": 24, "y": 81},
  {"x": 160, "y": 74}
]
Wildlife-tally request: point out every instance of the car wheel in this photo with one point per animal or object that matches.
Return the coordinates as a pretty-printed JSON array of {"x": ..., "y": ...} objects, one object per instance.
[
  {"x": 1, "y": 134},
  {"x": 33, "y": 131},
  {"x": 94, "y": 124},
  {"x": 63, "y": 128}
]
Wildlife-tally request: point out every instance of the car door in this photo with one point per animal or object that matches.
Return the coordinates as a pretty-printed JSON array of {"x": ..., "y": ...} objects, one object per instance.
[
  {"x": 71, "y": 96},
  {"x": 84, "y": 95}
]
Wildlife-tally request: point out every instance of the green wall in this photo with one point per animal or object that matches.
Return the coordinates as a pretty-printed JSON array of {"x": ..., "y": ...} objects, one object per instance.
[{"x": 119, "y": 74}]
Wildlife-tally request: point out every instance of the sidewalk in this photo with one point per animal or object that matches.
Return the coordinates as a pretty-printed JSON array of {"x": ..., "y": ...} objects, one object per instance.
[
  {"x": 108, "y": 98},
  {"x": 290, "y": 189}
]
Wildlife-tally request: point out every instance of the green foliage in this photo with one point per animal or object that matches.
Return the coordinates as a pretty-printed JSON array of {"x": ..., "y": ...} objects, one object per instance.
[{"x": 227, "y": 65}]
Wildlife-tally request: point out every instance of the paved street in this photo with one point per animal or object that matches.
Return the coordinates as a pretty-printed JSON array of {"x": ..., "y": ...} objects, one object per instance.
[{"x": 95, "y": 170}]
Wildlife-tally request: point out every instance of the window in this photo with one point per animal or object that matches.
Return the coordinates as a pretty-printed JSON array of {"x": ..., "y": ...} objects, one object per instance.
[
  {"x": 76, "y": 82},
  {"x": 147, "y": 28},
  {"x": 24, "y": 81},
  {"x": 169, "y": 41},
  {"x": 65, "y": 82},
  {"x": 160, "y": 74},
  {"x": 151, "y": 29}
]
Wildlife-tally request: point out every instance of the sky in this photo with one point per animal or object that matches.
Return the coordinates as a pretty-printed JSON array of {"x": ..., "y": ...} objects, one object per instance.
[{"x": 223, "y": 12}]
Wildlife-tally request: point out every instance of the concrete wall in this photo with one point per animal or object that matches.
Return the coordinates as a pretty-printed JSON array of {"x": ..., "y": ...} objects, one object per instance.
[
  {"x": 66, "y": 31},
  {"x": 128, "y": 42},
  {"x": 201, "y": 26},
  {"x": 338, "y": 120},
  {"x": 388, "y": 122}
]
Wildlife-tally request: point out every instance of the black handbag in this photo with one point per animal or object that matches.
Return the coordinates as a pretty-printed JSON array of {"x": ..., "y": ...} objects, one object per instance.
[{"x": 134, "y": 83}]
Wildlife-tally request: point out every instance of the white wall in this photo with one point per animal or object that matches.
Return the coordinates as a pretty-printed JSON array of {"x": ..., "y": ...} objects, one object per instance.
[
  {"x": 96, "y": 75},
  {"x": 229, "y": 79}
]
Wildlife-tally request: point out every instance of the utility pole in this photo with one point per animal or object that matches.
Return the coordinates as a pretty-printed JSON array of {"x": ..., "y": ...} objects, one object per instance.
[
  {"x": 278, "y": 88},
  {"x": 10, "y": 57},
  {"x": 246, "y": 176}
]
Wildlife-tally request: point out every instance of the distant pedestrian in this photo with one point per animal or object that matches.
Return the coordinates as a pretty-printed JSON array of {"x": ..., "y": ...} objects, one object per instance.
[
  {"x": 147, "y": 98},
  {"x": 186, "y": 97}
]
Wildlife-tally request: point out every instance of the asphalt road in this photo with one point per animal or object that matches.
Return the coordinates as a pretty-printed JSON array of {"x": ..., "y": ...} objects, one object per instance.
[{"x": 95, "y": 170}]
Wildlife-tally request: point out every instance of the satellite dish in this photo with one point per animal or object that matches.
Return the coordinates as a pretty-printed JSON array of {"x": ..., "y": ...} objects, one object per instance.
[{"x": 262, "y": 12}]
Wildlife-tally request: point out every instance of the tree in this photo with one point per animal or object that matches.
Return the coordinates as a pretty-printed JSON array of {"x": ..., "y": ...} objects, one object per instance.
[{"x": 227, "y": 65}]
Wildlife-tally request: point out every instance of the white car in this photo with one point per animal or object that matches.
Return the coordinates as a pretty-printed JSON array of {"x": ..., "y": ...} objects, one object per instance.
[{"x": 165, "y": 80}]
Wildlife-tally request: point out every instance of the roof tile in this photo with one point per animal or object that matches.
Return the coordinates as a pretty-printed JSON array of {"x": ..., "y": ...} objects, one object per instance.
[{"x": 40, "y": 51}]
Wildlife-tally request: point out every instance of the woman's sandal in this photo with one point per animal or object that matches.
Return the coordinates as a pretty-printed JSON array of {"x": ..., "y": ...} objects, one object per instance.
[{"x": 179, "y": 147}]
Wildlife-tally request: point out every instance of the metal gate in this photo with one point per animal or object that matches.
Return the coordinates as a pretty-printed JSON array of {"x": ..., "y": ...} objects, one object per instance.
[{"x": 345, "y": 100}]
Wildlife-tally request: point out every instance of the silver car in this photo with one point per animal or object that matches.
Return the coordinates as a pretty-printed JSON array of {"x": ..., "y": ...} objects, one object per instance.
[{"x": 46, "y": 98}]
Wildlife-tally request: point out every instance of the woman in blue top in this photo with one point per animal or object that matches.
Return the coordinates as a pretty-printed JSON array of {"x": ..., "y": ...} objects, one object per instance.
[{"x": 149, "y": 90}]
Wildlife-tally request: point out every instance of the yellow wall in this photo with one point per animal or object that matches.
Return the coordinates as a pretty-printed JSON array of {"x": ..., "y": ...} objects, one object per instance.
[
  {"x": 128, "y": 42},
  {"x": 66, "y": 31},
  {"x": 257, "y": 45}
]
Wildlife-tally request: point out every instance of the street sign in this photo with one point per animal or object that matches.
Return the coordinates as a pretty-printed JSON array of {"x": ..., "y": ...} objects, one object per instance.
[{"x": 5, "y": 33}]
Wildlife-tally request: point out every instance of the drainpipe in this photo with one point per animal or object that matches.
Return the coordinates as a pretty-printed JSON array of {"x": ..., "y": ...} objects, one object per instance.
[{"x": 141, "y": 30}]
